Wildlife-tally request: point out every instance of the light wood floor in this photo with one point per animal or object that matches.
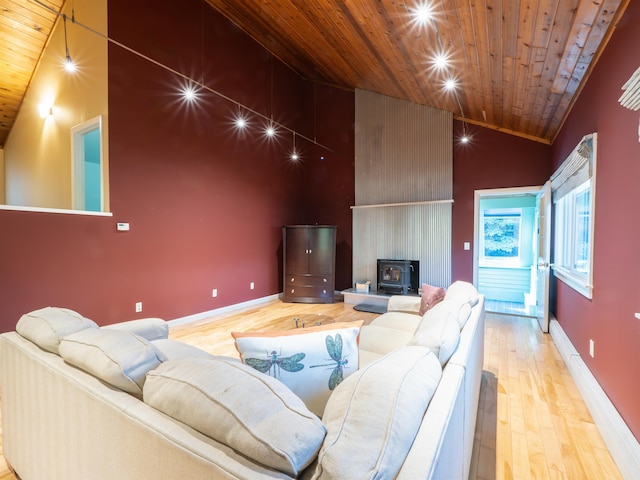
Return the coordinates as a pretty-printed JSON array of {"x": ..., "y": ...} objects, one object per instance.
[{"x": 532, "y": 422}]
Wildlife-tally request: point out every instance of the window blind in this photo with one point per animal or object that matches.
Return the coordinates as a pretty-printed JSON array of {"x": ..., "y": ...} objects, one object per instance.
[{"x": 576, "y": 169}]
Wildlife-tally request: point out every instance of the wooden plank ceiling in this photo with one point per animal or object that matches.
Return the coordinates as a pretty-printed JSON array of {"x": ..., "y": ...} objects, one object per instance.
[
  {"x": 24, "y": 29},
  {"x": 518, "y": 64}
]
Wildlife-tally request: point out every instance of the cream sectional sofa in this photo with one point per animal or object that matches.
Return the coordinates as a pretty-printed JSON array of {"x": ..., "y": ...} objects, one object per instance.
[{"x": 61, "y": 422}]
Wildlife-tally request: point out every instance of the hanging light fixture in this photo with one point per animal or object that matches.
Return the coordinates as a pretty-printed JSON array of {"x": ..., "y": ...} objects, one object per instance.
[
  {"x": 69, "y": 66},
  {"x": 294, "y": 153}
]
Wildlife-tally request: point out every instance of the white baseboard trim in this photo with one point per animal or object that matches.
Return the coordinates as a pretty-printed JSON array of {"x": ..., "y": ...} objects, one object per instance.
[
  {"x": 219, "y": 311},
  {"x": 623, "y": 446}
]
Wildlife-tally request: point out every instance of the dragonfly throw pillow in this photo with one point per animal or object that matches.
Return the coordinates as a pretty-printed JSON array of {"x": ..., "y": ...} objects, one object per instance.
[{"x": 312, "y": 361}]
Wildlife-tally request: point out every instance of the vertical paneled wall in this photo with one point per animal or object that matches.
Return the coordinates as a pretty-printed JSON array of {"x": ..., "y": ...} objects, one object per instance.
[{"x": 403, "y": 187}]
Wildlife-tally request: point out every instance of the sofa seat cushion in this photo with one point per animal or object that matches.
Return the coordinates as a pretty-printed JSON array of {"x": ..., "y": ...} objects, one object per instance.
[
  {"x": 47, "y": 326},
  {"x": 310, "y": 361},
  {"x": 403, "y": 303},
  {"x": 232, "y": 403},
  {"x": 119, "y": 358},
  {"x": 383, "y": 340},
  {"x": 407, "y": 322},
  {"x": 367, "y": 358},
  {"x": 373, "y": 416}
]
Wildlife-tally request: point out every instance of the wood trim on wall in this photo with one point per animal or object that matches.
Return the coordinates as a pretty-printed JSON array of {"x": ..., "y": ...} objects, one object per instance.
[{"x": 623, "y": 446}]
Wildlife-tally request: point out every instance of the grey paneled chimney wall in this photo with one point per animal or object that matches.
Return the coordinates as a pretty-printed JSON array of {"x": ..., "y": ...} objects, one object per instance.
[{"x": 404, "y": 187}]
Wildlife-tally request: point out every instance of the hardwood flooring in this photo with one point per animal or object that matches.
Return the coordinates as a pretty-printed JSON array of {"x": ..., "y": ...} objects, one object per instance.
[{"x": 532, "y": 422}]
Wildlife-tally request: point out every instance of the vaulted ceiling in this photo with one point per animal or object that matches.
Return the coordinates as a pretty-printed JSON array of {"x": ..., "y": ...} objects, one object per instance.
[{"x": 517, "y": 64}]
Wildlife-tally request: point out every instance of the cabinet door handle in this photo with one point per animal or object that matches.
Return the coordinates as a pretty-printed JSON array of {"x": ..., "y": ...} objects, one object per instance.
[{"x": 293, "y": 290}]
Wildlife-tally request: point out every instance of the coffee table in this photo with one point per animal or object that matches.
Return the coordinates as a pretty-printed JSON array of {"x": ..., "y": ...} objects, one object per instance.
[{"x": 304, "y": 320}]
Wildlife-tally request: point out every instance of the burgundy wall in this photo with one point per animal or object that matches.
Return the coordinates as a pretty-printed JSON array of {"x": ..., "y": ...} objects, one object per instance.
[
  {"x": 491, "y": 160},
  {"x": 608, "y": 318},
  {"x": 205, "y": 205}
]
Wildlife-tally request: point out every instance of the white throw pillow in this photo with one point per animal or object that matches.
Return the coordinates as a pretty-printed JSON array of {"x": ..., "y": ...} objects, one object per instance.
[
  {"x": 462, "y": 292},
  {"x": 47, "y": 326},
  {"x": 236, "y": 405},
  {"x": 119, "y": 358},
  {"x": 440, "y": 333},
  {"x": 374, "y": 415},
  {"x": 310, "y": 361}
]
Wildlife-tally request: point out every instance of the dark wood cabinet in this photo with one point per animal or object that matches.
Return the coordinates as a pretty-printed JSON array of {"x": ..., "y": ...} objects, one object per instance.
[{"x": 309, "y": 263}]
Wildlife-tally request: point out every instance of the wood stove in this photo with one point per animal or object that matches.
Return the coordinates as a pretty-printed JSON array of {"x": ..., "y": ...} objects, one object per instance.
[{"x": 398, "y": 277}]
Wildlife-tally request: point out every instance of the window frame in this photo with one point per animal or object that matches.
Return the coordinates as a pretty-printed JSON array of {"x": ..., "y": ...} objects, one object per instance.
[
  {"x": 495, "y": 262},
  {"x": 565, "y": 224}
]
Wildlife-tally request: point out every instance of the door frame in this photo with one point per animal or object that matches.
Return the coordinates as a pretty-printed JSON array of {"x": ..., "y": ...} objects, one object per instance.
[{"x": 492, "y": 193}]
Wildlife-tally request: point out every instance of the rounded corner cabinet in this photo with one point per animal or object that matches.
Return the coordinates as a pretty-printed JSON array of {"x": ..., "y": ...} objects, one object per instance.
[{"x": 309, "y": 256}]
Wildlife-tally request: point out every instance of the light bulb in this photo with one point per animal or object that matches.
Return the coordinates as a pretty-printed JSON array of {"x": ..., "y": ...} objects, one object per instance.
[
  {"x": 423, "y": 14},
  {"x": 189, "y": 93},
  {"x": 450, "y": 84},
  {"x": 270, "y": 131},
  {"x": 69, "y": 66}
]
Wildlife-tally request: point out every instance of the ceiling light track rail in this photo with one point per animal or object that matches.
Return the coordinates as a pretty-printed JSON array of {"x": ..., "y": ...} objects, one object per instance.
[{"x": 199, "y": 83}]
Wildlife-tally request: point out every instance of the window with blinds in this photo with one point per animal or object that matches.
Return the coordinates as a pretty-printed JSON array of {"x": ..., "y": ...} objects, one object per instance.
[{"x": 573, "y": 187}]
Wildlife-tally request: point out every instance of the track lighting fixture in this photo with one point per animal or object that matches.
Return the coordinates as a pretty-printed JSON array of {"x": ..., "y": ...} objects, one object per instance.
[{"x": 69, "y": 66}]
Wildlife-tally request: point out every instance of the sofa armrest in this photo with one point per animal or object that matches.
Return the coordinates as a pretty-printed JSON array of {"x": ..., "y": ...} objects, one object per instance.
[
  {"x": 149, "y": 328},
  {"x": 404, "y": 303}
]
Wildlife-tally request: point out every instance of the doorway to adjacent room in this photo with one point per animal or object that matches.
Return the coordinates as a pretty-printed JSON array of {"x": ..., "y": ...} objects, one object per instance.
[{"x": 505, "y": 253}]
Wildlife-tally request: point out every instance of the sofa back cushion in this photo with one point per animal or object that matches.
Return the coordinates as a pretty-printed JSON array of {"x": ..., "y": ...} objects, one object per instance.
[
  {"x": 372, "y": 418},
  {"x": 462, "y": 292},
  {"x": 440, "y": 333},
  {"x": 453, "y": 309},
  {"x": 47, "y": 326},
  {"x": 236, "y": 405},
  {"x": 119, "y": 358}
]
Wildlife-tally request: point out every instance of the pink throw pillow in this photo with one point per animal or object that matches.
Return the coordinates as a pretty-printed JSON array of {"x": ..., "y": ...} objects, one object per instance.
[{"x": 430, "y": 296}]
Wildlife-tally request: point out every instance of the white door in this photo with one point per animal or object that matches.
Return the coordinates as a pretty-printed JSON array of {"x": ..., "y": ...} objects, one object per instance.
[{"x": 543, "y": 214}]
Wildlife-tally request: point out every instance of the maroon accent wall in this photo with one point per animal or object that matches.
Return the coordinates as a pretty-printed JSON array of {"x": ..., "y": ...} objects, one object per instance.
[
  {"x": 205, "y": 206},
  {"x": 608, "y": 318},
  {"x": 491, "y": 160}
]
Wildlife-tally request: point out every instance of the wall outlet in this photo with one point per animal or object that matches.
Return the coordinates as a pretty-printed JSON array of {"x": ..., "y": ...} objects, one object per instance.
[
  {"x": 592, "y": 346},
  {"x": 214, "y": 292},
  {"x": 138, "y": 307},
  {"x": 251, "y": 286}
]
